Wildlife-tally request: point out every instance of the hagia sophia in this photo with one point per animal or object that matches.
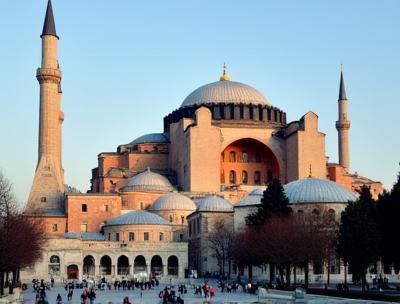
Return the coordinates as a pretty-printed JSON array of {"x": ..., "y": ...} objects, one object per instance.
[{"x": 154, "y": 200}]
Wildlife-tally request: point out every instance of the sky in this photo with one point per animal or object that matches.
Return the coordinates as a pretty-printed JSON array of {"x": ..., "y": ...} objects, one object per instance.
[{"x": 126, "y": 64}]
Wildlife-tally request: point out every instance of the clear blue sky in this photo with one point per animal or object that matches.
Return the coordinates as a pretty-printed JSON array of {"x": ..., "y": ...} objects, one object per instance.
[{"x": 126, "y": 64}]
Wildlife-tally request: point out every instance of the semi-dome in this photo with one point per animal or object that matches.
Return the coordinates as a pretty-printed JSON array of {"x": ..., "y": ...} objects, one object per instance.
[
  {"x": 253, "y": 199},
  {"x": 225, "y": 92},
  {"x": 148, "y": 181},
  {"x": 214, "y": 203},
  {"x": 315, "y": 190},
  {"x": 173, "y": 201},
  {"x": 154, "y": 138},
  {"x": 137, "y": 217}
]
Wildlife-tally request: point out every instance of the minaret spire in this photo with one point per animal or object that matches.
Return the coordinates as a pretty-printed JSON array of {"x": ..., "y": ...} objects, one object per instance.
[
  {"x": 343, "y": 125},
  {"x": 342, "y": 88},
  {"x": 49, "y": 26}
]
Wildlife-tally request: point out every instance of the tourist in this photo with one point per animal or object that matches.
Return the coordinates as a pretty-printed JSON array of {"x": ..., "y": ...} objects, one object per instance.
[
  {"x": 92, "y": 295},
  {"x": 58, "y": 300},
  {"x": 126, "y": 301}
]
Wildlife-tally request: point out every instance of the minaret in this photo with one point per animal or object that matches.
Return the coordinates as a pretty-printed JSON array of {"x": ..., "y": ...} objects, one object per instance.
[
  {"x": 343, "y": 126},
  {"x": 47, "y": 192}
]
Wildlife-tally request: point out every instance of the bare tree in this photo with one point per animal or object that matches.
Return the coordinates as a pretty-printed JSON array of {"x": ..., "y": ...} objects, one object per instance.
[
  {"x": 220, "y": 242},
  {"x": 21, "y": 238}
]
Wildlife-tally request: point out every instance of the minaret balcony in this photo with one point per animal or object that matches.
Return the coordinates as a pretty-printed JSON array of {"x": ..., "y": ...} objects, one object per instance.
[
  {"x": 48, "y": 75},
  {"x": 343, "y": 124}
]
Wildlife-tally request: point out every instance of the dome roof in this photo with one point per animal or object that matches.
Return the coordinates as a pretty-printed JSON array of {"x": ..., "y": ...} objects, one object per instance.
[
  {"x": 253, "y": 199},
  {"x": 173, "y": 201},
  {"x": 225, "y": 92},
  {"x": 147, "y": 181},
  {"x": 315, "y": 190},
  {"x": 155, "y": 138},
  {"x": 137, "y": 217},
  {"x": 214, "y": 203}
]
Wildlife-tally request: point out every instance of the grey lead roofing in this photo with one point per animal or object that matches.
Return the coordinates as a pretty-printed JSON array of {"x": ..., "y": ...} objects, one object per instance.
[
  {"x": 342, "y": 89},
  {"x": 49, "y": 26}
]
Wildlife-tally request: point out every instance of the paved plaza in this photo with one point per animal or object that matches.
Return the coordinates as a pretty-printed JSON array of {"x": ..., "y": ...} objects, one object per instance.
[{"x": 151, "y": 297}]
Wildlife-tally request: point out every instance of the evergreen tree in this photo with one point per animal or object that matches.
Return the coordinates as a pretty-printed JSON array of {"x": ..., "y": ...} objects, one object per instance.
[
  {"x": 273, "y": 203},
  {"x": 389, "y": 213},
  {"x": 359, "y": 235}
]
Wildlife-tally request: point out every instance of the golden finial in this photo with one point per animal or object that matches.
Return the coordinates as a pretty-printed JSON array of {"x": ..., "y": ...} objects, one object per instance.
[
  {"x": 310, "y": 172},
  {"x": 225, "y": 76}
]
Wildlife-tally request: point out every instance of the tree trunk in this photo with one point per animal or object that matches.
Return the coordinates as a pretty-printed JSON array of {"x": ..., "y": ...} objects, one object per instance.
[
  {"x": 271, "y": 273},
  {"x": 288, "y": 275},
  {"x": 345, "y": 273},
  {"x": 329, "y": 271},
  {"x": 250, "y": 267},
  {"x": 306, "y": 270},
  {"x": 363, "y": 279},
  {"x": 295, "y": 275},
  {"x": 2, "y": 283}
]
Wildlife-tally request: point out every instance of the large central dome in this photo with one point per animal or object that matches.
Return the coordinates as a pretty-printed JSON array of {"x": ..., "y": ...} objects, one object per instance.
[{"x": 225, "y": 91}]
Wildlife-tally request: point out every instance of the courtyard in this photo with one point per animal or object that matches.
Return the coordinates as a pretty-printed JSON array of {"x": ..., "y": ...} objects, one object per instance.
[{"x": 138, "y": 296}]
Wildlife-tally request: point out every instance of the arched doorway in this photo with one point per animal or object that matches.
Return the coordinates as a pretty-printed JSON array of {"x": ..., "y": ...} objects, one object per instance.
[
  {"x": 173, "y": 266},
  {"x": 105, "y": 265},
  {"x": 88, "y": 266},
  {"x": 248, "y": 162},
  {"x": 139, "y": 265},
  {"x": 72, "y": 272},
  {"x": 123, "y": 265},
  {"x": 156, "y": 266}
]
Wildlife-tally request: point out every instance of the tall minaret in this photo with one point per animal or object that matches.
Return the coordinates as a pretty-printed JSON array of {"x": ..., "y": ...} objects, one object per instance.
[
  {"x": 47, "y": 192},
  {"x": 343, "y": 126}
]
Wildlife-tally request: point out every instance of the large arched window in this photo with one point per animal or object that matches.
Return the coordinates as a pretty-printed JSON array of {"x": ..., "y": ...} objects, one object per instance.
[
  {"x": 257, "y": 177},
  {"x": 245, "y": 177},
  {"x": 232, "y": 156},
  {"x": 232, "y": 177},
  {"x": 331, "y": 215}
]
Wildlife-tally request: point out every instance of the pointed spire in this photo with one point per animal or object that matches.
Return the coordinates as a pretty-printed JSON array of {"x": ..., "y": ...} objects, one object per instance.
[
  {"x": 342, "y": 89},
  {"x": 49, "y": 27}
]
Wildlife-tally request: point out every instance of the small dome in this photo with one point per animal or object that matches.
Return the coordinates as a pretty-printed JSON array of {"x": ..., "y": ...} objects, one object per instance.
[
  {"x": 253, "y": 199},
  {"x": 315, "y": 190},
  {"x": 154, "y": 138},
  {"x": 137, "y": 217},
  {"x": 148, "y": 181},
  {"x": 225, "y": 92},
  {"x": 214, "y": 203},
  {"x": 173, "y": 201}
]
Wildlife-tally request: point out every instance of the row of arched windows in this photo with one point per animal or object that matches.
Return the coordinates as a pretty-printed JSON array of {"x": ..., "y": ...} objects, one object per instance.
[
  {"x": 244, "y": 179},
  {"x": 244, "y": 157}
]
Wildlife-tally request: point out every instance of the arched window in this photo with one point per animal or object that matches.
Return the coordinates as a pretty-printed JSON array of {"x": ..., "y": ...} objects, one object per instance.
[
  {"x": 54, "y": 265},
  {"x": 171, "y": 218},
  {"x": 232, "y": 177},
  {"x": 232, "y": 157},
  {"x": 88, "y": 265},
  {"x": 131, "y": 236},
  {"x": 257, "y": 177},
  {"x": 161, "y": 236},
  {"x": 258, "y": 157},
  {"x": 172, "y": 265},
  {"x": 105, "y": 265},
  {"x": 182, "y": 219},
  {"x": 245, "y": 177},
  {"x": 245, "y": 157},
  {"x": 141, "y": 205},
  {"x": 123, "y": 265}
]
